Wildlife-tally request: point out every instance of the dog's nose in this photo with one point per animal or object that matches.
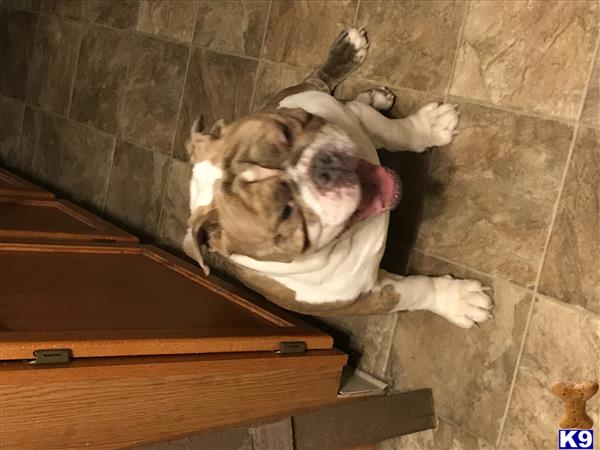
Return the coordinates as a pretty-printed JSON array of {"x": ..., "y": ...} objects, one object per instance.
[{"x": 330, "y": 169}]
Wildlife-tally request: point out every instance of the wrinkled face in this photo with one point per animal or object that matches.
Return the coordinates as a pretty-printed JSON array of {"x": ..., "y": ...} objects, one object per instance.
[{"x": 273, "y": 186}]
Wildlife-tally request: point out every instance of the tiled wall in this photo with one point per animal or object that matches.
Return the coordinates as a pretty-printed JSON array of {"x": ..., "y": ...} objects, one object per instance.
[{"x": 97, "y": 97}]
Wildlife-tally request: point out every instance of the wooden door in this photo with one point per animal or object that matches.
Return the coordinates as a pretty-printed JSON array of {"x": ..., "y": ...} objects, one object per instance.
[
  {"x": 114, "y": 300},
  {"x": 54, "y": 220},
  {"x": 14, "y": 186}
]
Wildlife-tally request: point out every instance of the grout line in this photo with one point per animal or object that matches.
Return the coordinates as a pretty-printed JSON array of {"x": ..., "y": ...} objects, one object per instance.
[
  {"x": 60, "y": 116},
  {"x": 471, "y": 269},
  {"x": 547, "y": 243},
  {"x": 226, "y": 53},
  {"x": 182, "y": 95},
  {"x": 454, "y": 424},
  {"x": 569, "y": 306},
  {"x": 457, "y": 50},
  {"x": 118, "y": 115},
  {"x": 356, "y": 11},
  {"x": 72, "y": 89},
  {"x": 18, "y": 149},
  {"x": 163, "y": 38},
  {"x": 35, "y": 37},
  {"x": 590, "y": 76},
  {"x": 170, "y": 155},
  {"x": 163, "y": 195},
  {"x": 260, "y": 64},
  {"x": 515, "y": 110}
]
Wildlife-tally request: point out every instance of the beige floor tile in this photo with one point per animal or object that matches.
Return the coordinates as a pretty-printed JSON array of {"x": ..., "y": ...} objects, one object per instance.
[
  {"x": 175, "y": 207},
  {"x": 53, "y": 63},
  {"x": 71, "y": 158},
  {"x": 137, "y": 180},
  {"x": 563, "y": 343},
  {"x": 100, "y": 78},
  {"x": 527, "y": 54},
  {"x": 591, "y": 108},
  {"x": 497, "y": 185},
  {"x": 571, "y": 270},
  {"x": 11, "y": 119},
  {"x": 17, "y": 31},
  {"x": 64, "y": 8},
  {"x": 232, "y": 26},
  {"x": 148, "y": 116},
  {"x": 469, "y": 370},
  {"x": 217, "y": 87},
  {"x": 371, "y": 337},
  {"x": 172, "y": 20},
  {"x": 300, "y": 32},
  {"x": 413, "y": 43},
  {"x": 114, "y": 13},
  {"x": 273, "y": 436},
  {"x": 273, "y": 78},
  {"x": 23, "y": 5},
  {"x": 446, "y": 436},
  {"x": 230, "y": 439}
]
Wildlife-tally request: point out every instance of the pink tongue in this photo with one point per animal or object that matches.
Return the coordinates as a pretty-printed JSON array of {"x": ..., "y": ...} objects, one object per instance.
[{"x": 380, "y": 190}]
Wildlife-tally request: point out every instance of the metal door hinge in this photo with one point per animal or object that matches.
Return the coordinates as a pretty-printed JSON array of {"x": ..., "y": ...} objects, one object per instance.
[
  {"x": 53, "y": 356},
  {"x": 291, "y": 348}
]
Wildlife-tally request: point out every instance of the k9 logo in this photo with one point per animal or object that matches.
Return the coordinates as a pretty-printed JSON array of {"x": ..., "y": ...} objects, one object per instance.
[{"x": 575, "y": 439}]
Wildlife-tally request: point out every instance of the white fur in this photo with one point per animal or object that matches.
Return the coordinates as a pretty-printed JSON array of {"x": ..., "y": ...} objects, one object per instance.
[
  {"x": 340, "y": 271},
  {"x": 204, "y": 176},
  {"x": 333, "y": 207},
  {"x": 358, "y": 39}
]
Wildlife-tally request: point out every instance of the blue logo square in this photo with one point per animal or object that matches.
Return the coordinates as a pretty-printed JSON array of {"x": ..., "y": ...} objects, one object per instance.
[{"x": 575, "y": 439}]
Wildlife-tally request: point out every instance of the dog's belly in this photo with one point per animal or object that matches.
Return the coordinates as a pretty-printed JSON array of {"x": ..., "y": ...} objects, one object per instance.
[{"x": 348, "y": 266}]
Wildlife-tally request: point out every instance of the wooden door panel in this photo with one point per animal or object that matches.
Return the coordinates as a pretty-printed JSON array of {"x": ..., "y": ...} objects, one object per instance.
[
  {"x": 54, "y": 220},
  {"x": 14, "y": 186},
  {"x": 114, "y": 300}
]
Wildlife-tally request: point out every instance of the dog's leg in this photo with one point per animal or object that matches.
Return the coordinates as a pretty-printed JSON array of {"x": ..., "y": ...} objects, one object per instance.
[
  {"x": 462, "y": 302},
  {"x": 433, "y": 125},
  {"x": 347, "y": 52}
]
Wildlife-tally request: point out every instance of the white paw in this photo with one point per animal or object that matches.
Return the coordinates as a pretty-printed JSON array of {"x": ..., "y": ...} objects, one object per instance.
[
  {"x": 380, "y": 98},
  {"x": 357, "y": 37},
  {"x": 462, "y": 302},
  {"x": 435, "y": 124}
]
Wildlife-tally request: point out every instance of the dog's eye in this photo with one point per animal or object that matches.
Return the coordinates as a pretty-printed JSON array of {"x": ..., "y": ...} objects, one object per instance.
[
  {"x": 287, "y": 212},
  {"x": 287, "y": 132}
]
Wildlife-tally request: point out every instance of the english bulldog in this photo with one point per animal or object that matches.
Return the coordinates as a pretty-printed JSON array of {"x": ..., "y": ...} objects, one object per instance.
[{"x": 293, "y": 202}]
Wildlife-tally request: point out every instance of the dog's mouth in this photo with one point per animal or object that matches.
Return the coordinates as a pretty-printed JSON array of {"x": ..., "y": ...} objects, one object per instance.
[{"x": 381, "y": 191}]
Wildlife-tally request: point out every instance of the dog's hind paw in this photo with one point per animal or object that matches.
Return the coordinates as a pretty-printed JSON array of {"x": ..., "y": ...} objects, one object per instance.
[
  {"x": 463, "y": 302},
  {"x": 350, "y": 47},
  {"x": 380, "y": 98}
]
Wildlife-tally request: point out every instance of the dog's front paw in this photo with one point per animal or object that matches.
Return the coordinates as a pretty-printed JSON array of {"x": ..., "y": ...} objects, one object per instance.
[
  {"x": 435, "y": 124},
  {"x": 462, "y": 302},
  {"x": 350, "y": 47}
]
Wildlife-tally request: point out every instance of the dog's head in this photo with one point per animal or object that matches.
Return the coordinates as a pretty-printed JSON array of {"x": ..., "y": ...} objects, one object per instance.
[{"x": 277, "y": 185}]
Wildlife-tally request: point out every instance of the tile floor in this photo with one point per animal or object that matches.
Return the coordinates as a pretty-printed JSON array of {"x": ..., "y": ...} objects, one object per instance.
[{"x": 96, "y": 97}]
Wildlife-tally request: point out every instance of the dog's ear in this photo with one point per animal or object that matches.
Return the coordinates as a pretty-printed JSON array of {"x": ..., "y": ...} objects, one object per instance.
[
  {"x": 196, "y": 145},
  {"x": 204, "y": 231}
]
